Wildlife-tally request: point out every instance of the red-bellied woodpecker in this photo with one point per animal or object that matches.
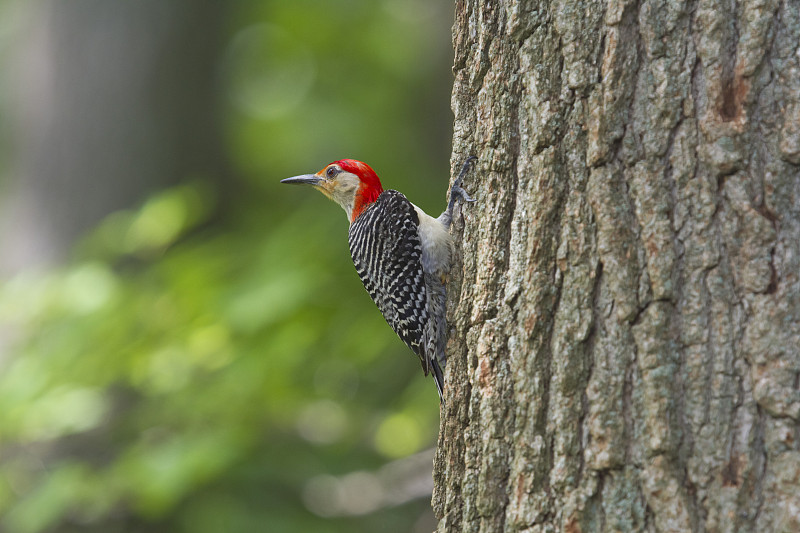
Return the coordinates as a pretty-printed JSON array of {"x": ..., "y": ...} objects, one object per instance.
[{"x": 401, "y": 254}]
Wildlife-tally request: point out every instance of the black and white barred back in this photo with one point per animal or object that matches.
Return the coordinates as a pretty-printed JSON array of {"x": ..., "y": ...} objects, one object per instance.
[{"x": 387, "y": 253}]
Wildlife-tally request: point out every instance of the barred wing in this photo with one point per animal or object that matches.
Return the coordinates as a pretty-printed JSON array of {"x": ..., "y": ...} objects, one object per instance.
[{"x": 387, "y": 253}]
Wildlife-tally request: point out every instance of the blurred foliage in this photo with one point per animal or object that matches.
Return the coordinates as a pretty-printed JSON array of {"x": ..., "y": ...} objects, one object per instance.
[{"x": 207, "y": 362}]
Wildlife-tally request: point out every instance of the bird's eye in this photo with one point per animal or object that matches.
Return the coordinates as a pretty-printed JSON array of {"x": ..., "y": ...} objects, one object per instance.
[{"x": 332, "y": 171}]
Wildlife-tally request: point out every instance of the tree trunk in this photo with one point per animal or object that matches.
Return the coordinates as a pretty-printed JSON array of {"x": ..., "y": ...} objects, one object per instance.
[{"x": 625, "y": 330}]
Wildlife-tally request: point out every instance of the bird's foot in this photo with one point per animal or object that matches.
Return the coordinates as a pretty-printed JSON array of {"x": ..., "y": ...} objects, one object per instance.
[{"x": 456, "y": 191}]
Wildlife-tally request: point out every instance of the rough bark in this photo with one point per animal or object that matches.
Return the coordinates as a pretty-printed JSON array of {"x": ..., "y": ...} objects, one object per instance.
[{"x": 625, "y": 330}]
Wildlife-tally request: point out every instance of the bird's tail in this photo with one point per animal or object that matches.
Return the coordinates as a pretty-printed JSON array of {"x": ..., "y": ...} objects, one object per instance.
[{"x": 438, "y": 377}]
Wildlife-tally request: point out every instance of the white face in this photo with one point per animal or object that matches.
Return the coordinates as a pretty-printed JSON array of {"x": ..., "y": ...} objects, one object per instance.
[{"x": 341, "y": 187}]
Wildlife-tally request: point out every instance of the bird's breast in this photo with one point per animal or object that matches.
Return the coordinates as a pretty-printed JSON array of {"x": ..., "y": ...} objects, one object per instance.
[{"x": 436, "y": 244}]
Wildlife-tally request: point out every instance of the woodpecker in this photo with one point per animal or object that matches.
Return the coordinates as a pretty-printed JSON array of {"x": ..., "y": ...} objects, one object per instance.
[{"x": 401, "y": 254}]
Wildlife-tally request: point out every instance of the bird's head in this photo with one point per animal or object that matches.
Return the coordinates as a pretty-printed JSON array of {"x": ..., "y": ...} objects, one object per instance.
[{"x": 350, "y": 183}]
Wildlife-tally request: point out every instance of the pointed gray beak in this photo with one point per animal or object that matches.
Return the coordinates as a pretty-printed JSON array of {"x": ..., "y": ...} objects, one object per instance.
[{"x": 305, "y": 179}]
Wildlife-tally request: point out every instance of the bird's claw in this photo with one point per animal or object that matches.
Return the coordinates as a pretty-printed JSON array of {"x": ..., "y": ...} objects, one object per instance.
[
  {"x": 461, "y": 193},
  {"x": 465, "y": 168},
  {"x": 456, "y": 190}
]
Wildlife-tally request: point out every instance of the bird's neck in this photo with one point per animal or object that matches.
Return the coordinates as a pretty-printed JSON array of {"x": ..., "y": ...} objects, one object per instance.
[{"x": 362, "y": 199}]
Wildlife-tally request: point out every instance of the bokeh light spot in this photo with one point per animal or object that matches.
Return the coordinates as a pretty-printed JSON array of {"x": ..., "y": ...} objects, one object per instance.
[
  {"x": 322, "y": 422},
  {"x": 88, "y": 288},
  {"x": 398, "y": 435}
]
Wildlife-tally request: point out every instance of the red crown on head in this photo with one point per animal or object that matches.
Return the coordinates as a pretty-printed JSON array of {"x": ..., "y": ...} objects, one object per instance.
[{"x": 371, "y": 186}]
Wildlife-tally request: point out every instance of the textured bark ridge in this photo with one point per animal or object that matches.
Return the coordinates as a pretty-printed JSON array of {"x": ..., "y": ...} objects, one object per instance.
[{"x": 624, "y": 351}]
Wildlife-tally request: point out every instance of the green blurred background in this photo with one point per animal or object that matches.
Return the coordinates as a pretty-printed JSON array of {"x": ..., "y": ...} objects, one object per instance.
[{"x": 184, "y": 343}]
